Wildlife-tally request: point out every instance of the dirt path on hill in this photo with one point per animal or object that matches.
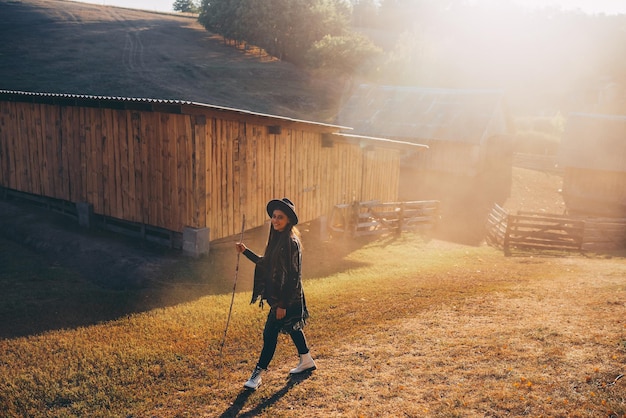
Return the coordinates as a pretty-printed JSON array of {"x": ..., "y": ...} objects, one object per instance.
[{"x": 57, "y": 46}]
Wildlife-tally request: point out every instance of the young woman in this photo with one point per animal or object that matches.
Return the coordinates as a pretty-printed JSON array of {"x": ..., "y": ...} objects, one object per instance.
[{"x": 278, "y": 280}]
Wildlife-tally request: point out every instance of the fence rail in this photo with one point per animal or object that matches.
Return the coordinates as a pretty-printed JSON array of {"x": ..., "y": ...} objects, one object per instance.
[
  {"x": 375, "y": 217},
  {"x": 604, "y": 234},
  {"x": 543, "y": 232},
  {"x": 553, "y": 232},
  {"x": 547, "y": 163},
  {"x": 496, "y": 226}
]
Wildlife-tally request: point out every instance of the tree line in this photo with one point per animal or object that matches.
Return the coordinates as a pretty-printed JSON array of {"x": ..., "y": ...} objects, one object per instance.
[
  {"x": 312, "y": 33},
  {"x": 437, "y": 43}
]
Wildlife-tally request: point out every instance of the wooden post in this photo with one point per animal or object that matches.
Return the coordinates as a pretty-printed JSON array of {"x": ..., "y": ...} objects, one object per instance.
[
  {"x": 400, "y": 219},
  {"x": 505, "y": 244}
]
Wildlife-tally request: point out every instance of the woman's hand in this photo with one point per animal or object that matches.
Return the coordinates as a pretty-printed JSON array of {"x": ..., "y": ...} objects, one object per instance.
[
  {"x": 280, "y": 313},
  {"x": 241, "y": 247}
]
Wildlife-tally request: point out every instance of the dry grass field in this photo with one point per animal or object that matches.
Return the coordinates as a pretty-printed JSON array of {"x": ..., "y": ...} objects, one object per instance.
[
  {"x": 413, "y": 326},
  {"x": 404, "y": 326}
]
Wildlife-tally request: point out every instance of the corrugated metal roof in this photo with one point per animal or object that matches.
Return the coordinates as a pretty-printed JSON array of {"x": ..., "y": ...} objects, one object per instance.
[
  {"x": 142, "y": 104},
  {"x": 594, "y": 141},
  {"x": 421, "y": 114}
]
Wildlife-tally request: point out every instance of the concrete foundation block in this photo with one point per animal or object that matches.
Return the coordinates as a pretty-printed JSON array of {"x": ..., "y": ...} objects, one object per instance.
[
  {"x": 85, "y": 214},
  {"x": 195, "y": 241}
]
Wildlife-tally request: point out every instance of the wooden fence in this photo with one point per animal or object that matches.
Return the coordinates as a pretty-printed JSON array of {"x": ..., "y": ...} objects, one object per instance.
[
  {"x": 537, "y": 162},
  {"x": 375, "y": 217},
  {"x": 604, "y": 234},
  {"x": 496, "y": 226},
  {"x": 553, "y": 232}
]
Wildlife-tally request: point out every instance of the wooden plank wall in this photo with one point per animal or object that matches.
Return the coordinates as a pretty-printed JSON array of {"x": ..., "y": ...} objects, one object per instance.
[
  {"x": 246, "y": 167},
  {"x": 37, "y": 165},
  {"x": 595, "y": 192},
  {"x": 134, "y": 166},
  {"x": 381, "y": 175},
  {"x": 174, "y": 170}
]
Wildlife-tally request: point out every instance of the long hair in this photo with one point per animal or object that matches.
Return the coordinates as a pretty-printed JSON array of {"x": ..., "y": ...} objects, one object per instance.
[{"x": 277, "y": 240}]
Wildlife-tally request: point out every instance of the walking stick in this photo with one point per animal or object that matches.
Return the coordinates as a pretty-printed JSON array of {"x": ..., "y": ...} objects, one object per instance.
[{"x": 232, "y": 299}]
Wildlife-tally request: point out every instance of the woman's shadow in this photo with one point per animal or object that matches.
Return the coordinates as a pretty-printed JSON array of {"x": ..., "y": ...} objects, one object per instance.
[{"x": 240, "y": 401}]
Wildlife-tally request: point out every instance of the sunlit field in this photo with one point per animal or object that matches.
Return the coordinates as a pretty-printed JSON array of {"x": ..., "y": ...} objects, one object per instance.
[
  {"x": 407, "y": 326},
  {"x": 402, "y": 326}
]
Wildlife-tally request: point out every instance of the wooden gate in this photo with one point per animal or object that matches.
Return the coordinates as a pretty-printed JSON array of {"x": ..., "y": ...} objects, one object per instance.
[
  {"x": 375, "y": 217},
  {"x": 552, "y": 232}
]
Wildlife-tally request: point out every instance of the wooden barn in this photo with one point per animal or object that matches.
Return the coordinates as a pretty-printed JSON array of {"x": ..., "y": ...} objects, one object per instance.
[
  {"x": 593, "y": 159},
  {"x": 186, "y": 169},
  {"x": 468, "y": 133}
]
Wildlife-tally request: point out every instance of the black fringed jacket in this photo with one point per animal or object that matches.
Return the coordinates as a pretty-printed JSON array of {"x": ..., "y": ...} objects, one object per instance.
[{"x": 281, "y": 284}]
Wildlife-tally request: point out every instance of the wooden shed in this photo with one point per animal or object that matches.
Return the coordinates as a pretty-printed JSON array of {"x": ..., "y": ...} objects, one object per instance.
[
  {"x": 184, "y": 166},
  {"x": 468, "y": 133},
  {"x": 593, "y": 159}
]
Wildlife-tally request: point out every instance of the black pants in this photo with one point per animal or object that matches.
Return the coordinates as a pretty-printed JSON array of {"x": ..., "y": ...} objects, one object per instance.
[{"x": 270, "y": 339}]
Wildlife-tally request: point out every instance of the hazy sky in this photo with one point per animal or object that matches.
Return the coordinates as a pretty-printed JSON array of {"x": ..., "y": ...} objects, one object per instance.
[
  {"x": 158, "y": 5},
  {"x": 588, "y": 6}
]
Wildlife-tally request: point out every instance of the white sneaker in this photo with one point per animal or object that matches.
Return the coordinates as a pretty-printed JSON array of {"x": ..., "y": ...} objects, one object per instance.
[
  {"x": 306, "y": 364},
  {"x": 255, "y": 379}
]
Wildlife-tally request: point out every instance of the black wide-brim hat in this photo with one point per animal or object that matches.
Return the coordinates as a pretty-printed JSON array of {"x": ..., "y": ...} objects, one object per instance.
[{"x": 284, "y": 205}]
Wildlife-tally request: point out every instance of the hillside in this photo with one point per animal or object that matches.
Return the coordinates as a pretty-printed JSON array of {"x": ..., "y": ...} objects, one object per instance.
[{"x": 58, "y": 46}]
